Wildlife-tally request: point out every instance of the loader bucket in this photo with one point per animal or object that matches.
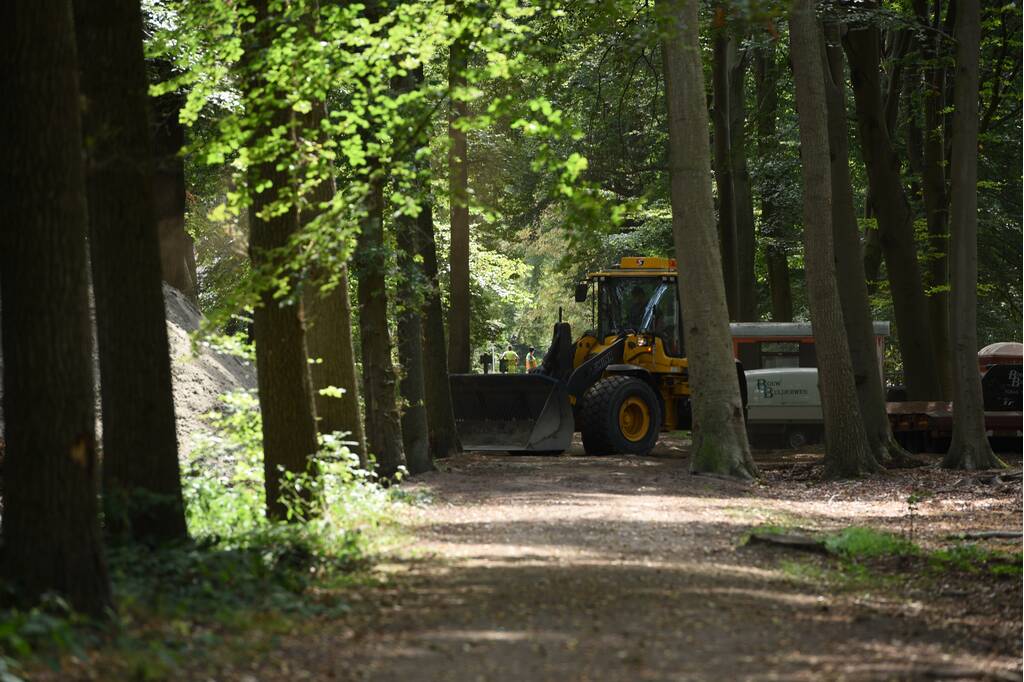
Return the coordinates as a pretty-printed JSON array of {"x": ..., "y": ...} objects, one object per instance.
[{"x": 515, "y": 412}]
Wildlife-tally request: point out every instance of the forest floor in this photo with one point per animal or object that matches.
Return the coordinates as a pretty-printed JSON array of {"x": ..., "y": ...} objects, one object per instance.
[{"x": 627, "y": 568}]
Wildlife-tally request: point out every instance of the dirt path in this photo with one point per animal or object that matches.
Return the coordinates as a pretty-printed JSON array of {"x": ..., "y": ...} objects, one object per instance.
[{"x": 617, "y": 568}]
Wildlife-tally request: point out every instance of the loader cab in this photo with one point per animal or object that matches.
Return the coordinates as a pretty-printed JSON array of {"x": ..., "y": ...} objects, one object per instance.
[{"x": 639, "y": 296}]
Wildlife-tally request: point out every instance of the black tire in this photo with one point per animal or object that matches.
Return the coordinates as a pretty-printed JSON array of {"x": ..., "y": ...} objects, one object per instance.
[
  {"x": 797, "y": 437},
  {"x": 601, "y": 429}
]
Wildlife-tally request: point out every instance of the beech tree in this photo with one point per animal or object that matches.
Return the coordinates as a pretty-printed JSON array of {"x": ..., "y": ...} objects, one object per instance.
[
  {"x": 141, "y": 482},
  {"x": 891, "y": 208},
  {"x": 969, "y": 448},
  {"x": 50, "y": 528},
  {"x": 766, "y": 80},
  {"x": 746, "y": 238},
  {"x": 719, "y": 439},
  {"x": 458, "y": 196},
  {"x": 328, "y": 318},
  {"x": 411, "y": 286},
  {"x": 724, "y": 49},
  {"x": 853, "y": 290},
  {"x": 285, "y": 384},
  {"x": 383, "y": 426},
  {"x": 846, "y": 448}
]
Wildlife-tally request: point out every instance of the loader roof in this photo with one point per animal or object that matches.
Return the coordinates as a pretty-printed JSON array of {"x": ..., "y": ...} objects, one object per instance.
[{"x": 639, "y": 266}]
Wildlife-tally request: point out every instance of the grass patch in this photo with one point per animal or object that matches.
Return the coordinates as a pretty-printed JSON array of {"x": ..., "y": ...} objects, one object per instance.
[
  {"x": 860, "y": 542},
  {"x": 863, "y": 557}
]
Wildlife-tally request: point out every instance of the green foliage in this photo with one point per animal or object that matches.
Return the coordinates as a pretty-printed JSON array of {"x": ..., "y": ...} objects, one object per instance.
[
  {"x": 860, "y": 542},
  {"x": 972, "y": 558}
]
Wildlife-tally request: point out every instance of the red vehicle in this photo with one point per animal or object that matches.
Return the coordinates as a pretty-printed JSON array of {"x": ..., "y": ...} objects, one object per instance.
[{"x": 928, "y": 426}]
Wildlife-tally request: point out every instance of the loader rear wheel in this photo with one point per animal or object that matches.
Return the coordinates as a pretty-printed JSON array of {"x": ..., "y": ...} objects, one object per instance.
[{"x": 620, "y": 415}]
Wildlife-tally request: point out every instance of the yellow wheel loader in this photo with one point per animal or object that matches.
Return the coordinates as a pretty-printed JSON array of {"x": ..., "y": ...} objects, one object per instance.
[{"x": 619, "y": 384}]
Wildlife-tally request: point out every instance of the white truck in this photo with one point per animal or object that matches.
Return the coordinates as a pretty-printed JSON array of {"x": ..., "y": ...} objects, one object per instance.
[{"x": 784, "y": 407}]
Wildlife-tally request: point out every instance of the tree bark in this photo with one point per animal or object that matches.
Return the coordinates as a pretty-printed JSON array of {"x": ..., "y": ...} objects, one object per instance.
[
  {"x": 410, "y": 294},
  {"x": 458, "y": 194},
  {"x": 720, "y": 439},
  {"x": 970, "y": 448},
  {"x": 724, "y": 51},
  {"x": 177, "y": 251},
  {"x": 846, "y": 448},
  {"x": 383, "y": 427},
  {"x": 284, "y": 382},
  {"x": 328, "y": 318},
  {"x": 141, "y": 481},
  {"x": 444, "y": 439},
  {"x": 894, "y": 215},
  {"x": 50, "y": 529},
  {"x": 853, "y": 290},
  {"x": 936, "y": 199},
  {"x": 766, "y": 83},
  {"x": 746, "y": 241}
]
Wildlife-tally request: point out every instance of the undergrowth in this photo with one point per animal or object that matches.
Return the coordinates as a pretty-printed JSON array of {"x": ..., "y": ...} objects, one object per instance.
[
  {"x": 238, "y": 576},
  {"x": 865, "y": 557}
]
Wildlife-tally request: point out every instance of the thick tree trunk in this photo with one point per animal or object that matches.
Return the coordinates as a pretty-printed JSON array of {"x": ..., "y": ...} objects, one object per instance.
[
  {"x": 141, "y": 481},
  {"x": 458, "y": 195},
  {"x": 328, "y": 318},
  {"x": 853, "y": 290},
  {"x": 895, "y": 218},
  {"x": 936, "y": 199},
  {"x": 50, "y": 529},
  {"x": 383, "y": 427},
  {"x": 970, "y": 448},
  {"x": 177, "y": 251},
  {"x": 846, "y": 448},
  {"x": 724, "y": 55},
  {"x": 410, "y": 294},
  {"x": 720, "y": 439},
  {"x": 777, "y": 265},
  {"x": 285, "y": 385},
  {"x": 746, "y": 241}
]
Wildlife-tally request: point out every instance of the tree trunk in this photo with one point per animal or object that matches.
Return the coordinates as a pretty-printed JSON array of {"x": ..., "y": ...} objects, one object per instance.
[
  {"x": 846, "y": 448},
  {"x": 724, "y": 51},
  {"x": 970, "y": 448},
  {"x": 410, "y": 294},
  {"x": 853, "y": 290},
  {"x": 776, "y": 262},
  {"x": 936, "y": 199},
  {"x": 746, "y": 241},
  {"x": 444, "y": 439},
  {"x": 458, "y": 195},
  {"x": 895, "y": 218},
  {"x": 177, "y": 252},
  {"x": 328, "y": 318},
  {"x": 141, "y": 481},
  {"x": 50, "y": 529},
  {"x": 383, "y": 427},
  {"x": 284, "y": 382},
  {"x": 720, "y": 439}
]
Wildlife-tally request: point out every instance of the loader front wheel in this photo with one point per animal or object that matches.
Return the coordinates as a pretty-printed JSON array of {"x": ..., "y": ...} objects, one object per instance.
[{"x": 620, "y": 415}]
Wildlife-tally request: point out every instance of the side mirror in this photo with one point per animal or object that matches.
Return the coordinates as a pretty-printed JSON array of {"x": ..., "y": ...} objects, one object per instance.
[{"x": 581, "y": 291}]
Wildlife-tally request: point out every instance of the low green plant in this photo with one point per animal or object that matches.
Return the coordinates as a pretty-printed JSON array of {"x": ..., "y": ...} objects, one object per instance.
[
  {"x": 972, "y": 558},
  {"x": 860, "y": 542}
]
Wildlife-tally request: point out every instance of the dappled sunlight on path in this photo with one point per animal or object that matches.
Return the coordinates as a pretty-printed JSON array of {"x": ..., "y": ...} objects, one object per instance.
[{"x": 579, "y": 568}]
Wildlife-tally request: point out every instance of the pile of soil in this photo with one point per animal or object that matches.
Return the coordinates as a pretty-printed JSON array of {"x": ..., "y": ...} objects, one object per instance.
[{"x": 200, "y": 374}]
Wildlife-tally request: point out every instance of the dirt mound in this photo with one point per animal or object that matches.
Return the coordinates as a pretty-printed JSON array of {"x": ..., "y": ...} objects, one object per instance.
[{"x": 199, "y": 378}]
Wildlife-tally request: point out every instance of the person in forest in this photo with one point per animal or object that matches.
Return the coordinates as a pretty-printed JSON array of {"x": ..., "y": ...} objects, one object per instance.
[
  {"x": 511, "y": 359},
  {"x": 531, "y": 361},
  {"x": 637, "y": 306},
  {"x": 487, "y": 361}
]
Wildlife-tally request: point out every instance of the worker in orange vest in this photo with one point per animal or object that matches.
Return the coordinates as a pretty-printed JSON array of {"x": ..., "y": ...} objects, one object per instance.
[{"x": 531, "y": 361}]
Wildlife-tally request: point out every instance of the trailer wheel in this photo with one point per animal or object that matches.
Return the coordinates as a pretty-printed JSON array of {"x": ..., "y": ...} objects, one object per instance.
[
  {"x": 797, "y": 438},
  {"x": 620, "y": 415}
]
